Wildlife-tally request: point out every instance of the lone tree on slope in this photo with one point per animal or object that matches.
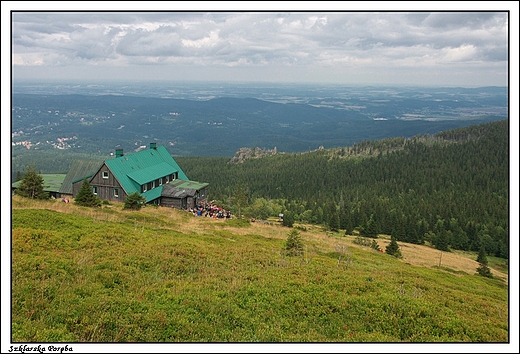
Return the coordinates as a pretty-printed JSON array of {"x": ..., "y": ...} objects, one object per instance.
[
  {"x": 294, "y": 243},
  {"x": 483, "y": 268},
  {"x": 393, "y": 248}
]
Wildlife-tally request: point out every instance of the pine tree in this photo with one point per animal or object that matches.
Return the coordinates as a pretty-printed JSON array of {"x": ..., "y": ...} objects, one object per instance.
[
  {"x": 483, "y": 269},
  {"x": 328, "y": 212},
  {"x": 86, "y": 197},
  {"x": 239, "y": 198},
  {"x": 134, "y": 201},
  {"x": 334, "y": 222},
  {"x": 441, "y": 241},
  {"x": 31, "y": 185},
  {"x": 397, "y": 230},
  {"x": 393, "y": 248},
  {"x": 370, "y": 229},
  {"x": 288, "y": 219},
  {"x": 343, "y": 217},
  {"x": 349, "y": 227},
  {"x": 441, "y": 238},
  {"x": 294, "y": 243}
]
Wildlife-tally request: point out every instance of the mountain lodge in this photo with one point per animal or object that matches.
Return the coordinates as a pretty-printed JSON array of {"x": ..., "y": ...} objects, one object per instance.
[{"x": 152, "y": 172}]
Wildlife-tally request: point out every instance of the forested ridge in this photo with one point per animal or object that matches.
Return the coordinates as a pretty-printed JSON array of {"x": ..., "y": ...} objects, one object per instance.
[{"x": 449, "y": 189}]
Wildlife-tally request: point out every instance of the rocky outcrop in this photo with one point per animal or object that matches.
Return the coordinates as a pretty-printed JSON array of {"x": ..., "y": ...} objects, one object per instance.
[{"x": 251, "y": 153}]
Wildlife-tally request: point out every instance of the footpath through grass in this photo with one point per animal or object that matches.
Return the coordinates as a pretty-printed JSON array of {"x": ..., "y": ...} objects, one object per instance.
[{"x": 118, "y": 276}]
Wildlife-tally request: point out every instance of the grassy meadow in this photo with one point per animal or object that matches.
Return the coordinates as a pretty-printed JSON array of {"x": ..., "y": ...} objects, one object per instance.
[{"x": 163, "y": 275}]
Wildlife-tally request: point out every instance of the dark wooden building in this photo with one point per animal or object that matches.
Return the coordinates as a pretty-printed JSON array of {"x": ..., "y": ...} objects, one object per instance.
[{"x": 153, "y": 173}]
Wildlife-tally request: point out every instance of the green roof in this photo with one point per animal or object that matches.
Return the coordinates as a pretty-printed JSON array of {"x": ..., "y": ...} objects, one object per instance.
[
  {"x": 51, "y": 182},
  {"x": 79, "y": 170},
  {"x": 152, "y": 194},
  {"x": 182, "y": 188},
  {"x": 135, "y": 169},
  {"x": 149, "y": 174},
  {"x": 185, "y": 184}
]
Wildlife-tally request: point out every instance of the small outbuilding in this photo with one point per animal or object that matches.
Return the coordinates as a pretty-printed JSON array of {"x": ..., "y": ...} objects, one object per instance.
[{"x": 183, "y": 194}]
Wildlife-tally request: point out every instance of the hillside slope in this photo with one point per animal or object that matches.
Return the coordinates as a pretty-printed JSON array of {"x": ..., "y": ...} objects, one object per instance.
[{"x": 163, "y": 275}]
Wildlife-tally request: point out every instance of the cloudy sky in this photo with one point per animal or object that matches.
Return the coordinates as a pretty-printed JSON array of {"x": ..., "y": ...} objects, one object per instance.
[{"x": 344, "y": 47}]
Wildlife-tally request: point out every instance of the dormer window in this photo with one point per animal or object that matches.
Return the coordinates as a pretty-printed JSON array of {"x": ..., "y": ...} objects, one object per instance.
[{"x": 105, "y": 174}]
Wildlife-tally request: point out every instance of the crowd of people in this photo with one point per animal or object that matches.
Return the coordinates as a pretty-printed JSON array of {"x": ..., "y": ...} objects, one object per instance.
[{"x": 210, "y": 210}]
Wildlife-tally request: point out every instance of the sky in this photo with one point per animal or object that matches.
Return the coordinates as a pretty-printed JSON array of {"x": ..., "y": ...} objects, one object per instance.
[{"x": 439, "y": 48}]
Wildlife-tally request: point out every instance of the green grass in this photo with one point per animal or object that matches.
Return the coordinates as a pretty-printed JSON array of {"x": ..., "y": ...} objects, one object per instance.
[{"x": 83, "y": 279}]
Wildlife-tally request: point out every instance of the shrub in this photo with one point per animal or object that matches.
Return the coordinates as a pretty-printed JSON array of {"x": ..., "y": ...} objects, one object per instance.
[
  {"x": 288, "y": 219},
  {"x": 238, "y": 222},
  {"x": 362, "y": 241},
  {"x": 134, "y": 201}
]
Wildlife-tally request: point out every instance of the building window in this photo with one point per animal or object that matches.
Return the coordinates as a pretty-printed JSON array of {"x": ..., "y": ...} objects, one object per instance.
[
  {"x": 94, "y": 190},
  {"x": 167, "y": 179},
  {"x": 116, "y": 192},
  {"x": 105, "y": 174},
  {"x": 144, "y": 187},
  {"x": 153, "y": 184},
  {"x": 160, "y": 181}
]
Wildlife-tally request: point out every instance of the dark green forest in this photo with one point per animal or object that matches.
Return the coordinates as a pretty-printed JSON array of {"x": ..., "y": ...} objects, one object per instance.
[{"x": 449, "y": 189}]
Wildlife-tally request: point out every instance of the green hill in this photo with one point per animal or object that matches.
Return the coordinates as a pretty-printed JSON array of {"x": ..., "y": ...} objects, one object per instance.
[
  {"x": 450, "y": 189},
  {"x": 163, "y": 275}
]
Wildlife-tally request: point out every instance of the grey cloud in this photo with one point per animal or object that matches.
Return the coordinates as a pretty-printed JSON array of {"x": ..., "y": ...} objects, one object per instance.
[
  {"x": 447, "y": 20},
  {"x": 299, "y": 39},
  {"x": 94, "y": 44},
  {"x": 141, "y": 43}
]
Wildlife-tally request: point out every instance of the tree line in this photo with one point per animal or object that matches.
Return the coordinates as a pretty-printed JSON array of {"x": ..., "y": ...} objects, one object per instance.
[{"x": 450, "y": 189}]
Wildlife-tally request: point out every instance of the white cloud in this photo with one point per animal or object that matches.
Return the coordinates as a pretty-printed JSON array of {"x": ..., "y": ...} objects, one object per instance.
[
  {"x": 459, "y": 54},
  {"x": 209, "y": 41}
]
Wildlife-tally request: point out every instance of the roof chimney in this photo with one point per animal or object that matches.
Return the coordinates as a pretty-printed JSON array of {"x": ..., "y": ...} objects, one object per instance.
[
  {"x": 119, "y": 152},
  {"x": 153, "y": 146}
]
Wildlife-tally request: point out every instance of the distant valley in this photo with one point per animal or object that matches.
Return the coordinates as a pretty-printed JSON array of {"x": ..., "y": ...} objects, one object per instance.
[{"x": 218, "y": 120}]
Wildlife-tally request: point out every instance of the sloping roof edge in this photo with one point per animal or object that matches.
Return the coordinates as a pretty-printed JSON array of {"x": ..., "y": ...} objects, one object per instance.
[{"x": 79, "y": 170}]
